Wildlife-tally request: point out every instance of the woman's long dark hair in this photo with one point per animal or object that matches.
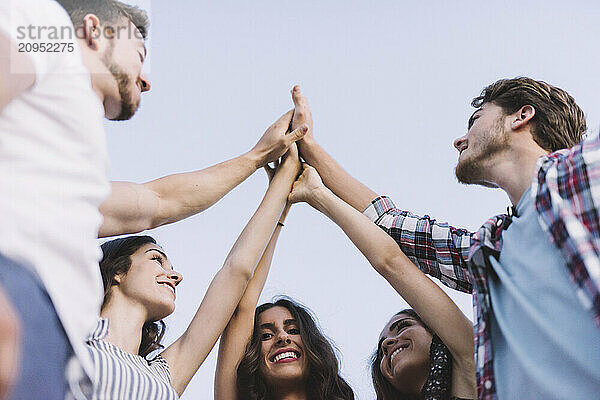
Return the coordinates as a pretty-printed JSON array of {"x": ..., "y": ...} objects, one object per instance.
[
  {"x": 116, "y": 260},
  {"x": 324, "y": 381},
  {"x": 384, "y": 389}
]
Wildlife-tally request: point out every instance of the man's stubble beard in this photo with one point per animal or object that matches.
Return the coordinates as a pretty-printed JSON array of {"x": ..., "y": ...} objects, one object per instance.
[
  {"x": 128, "y": 106},
  {"x": 473, "y": 170}
]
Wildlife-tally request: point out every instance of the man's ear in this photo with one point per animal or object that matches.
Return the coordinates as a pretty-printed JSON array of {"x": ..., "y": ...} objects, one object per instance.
[
  {"x": 92, "y": 32},
  {"x": 522, "y": 117}
]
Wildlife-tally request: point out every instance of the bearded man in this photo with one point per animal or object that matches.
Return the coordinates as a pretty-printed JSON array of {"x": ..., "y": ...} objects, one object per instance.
[{"x": 534, "y": 272}]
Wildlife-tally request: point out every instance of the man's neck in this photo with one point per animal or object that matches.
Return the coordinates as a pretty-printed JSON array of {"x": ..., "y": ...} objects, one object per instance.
[
  {"x": 95, "y": 67},
  {"x": 514, "y": 171}
]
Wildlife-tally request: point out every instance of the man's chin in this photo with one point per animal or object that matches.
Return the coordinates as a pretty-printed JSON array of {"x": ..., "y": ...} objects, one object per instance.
[
  {"x": 128, "y": 110},
  {"x": 470, "y": 174}
]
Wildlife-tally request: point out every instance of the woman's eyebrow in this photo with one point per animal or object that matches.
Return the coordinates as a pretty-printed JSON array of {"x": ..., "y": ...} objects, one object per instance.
[
  {"x": 162, "y": 254},
  {"x": 395, "y": 324},
  {"x": 268, "y": 325},
  {"x": 158, "y": 251}
]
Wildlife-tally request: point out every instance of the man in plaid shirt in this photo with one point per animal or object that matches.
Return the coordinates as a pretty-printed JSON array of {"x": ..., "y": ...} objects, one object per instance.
[{"x": 535, "y": 272}]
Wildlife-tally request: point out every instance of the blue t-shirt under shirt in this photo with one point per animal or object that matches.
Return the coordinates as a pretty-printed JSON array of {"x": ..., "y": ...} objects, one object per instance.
[{"x": 546, "y": 345}]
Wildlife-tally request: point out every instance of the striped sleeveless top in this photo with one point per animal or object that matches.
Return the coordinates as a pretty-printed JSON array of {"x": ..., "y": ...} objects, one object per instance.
[{"x": 119, "y": 375}]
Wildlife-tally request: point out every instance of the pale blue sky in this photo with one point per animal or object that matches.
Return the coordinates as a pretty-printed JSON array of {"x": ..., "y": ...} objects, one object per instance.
[{"x": 390, "y": 85}]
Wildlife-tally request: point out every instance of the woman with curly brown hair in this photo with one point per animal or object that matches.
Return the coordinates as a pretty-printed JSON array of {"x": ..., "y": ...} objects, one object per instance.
[
  {"x": 276, "y": 351},
  {"x": 140, "y": 289},
  {"x": 289, "y": 356}
]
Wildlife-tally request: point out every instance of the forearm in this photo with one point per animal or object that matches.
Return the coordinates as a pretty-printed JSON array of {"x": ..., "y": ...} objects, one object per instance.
[
  {"x": 255, "y": 286},
  {"x": 428, "y": 300},
  {"x": 359, "y": 229},
  {"x": 238, "y": 332},
  {"x": 344, "y": 185},
  {"x": 225, "y": 291},
  {"x": 444, "y": 258},
  {"x": 186, "y": 194},
  {"x": 250, "y": 245},
  {"x": 133, "y": 208}
]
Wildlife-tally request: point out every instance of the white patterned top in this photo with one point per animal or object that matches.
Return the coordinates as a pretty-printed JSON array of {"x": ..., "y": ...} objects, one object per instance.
[{"x": 119, "y": 375}]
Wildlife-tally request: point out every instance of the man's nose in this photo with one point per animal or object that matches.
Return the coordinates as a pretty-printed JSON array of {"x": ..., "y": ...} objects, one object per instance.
[
  {"x": 145, "y": 83},
  {"x": 458, "y": 143}
]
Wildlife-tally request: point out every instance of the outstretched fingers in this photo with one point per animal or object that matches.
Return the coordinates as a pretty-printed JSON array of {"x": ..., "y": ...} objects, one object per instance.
[
  {"x": 302, "y": 113},
  {"x": 283, "y": 123}
]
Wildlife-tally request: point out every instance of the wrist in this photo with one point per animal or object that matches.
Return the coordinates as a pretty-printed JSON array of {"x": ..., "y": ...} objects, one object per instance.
[
  {"x": 308, "y": 148},
  {"x": 320, "y": 197},
  {"x": 285, "y": 212},
  {"x": 255, "y": 159}
]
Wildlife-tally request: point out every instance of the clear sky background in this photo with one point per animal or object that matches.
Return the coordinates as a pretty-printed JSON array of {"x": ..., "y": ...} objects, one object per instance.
[{"x": 390, "y": 85}]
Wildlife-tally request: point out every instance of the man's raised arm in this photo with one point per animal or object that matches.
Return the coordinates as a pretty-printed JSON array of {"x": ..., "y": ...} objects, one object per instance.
[
  {"x": 135, "y": 207},
  {"x": 442, "y": 255},
  {"x": 340, "y": 182}
]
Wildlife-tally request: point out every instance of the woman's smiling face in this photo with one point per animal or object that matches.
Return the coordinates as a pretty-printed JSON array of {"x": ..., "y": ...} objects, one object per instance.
[
  {"x": 283, "y": 359},
  {"x": 404, "y": 345},
  {"x": 150, "y": 281}
]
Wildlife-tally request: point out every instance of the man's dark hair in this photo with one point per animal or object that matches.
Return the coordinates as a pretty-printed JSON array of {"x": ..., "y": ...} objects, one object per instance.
[
  {"x": 108, "y": 11},
  {"x": 558, "y": 122}
]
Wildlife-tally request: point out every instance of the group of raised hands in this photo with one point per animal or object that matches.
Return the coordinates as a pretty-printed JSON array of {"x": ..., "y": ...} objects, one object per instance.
[{"x": 298, "y": 135}]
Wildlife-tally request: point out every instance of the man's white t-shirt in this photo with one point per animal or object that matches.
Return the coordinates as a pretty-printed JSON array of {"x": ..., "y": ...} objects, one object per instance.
[{"x": 53, "y": 165}]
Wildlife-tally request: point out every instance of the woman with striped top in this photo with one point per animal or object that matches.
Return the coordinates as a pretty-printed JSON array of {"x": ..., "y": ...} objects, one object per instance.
[{"x": 140, "y": 285}]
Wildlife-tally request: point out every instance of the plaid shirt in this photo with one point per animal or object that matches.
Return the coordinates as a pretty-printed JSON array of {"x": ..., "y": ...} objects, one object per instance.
[{"x": 566, "y": 188}]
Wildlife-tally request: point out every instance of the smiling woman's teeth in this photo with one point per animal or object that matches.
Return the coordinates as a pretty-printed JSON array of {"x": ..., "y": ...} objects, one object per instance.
[
  {"x": 169, "y": 286},
  {"x": 398, "y": 350},
  {"x": 288, "y": 354}
]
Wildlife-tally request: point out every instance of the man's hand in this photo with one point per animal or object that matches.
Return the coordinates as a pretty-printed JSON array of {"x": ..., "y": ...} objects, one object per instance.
[
  {"x": 274, "y": 143},
  {"x": 307, "y": 186},
  {"x": 9, "y": 345},
  {"x": 302, "y": 115},
  {"x": 291, "y": 160}
]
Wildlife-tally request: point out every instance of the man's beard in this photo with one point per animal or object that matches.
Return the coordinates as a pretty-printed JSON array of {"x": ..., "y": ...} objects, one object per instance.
[
  {"x": 472, "y": 170},
  {"x": 128, "y": 107}
]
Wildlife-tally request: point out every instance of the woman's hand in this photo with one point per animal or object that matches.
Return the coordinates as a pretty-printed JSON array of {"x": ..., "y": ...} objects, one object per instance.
[
  {"x": 307, "y": 187},
  {"x": 289, "y": 164}
]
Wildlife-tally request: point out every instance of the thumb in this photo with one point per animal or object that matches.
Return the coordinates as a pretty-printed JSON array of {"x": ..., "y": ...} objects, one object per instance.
[
  {"x": 293, "y": 196},
  {"x": 297, "y": 133}
]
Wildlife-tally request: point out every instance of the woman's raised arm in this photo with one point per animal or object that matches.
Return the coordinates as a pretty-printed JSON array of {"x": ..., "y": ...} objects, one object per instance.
[
  {"x": 188, "y": 352},
  {"x": 239, "y": 330},
  {"x": 434, "y": 306}
]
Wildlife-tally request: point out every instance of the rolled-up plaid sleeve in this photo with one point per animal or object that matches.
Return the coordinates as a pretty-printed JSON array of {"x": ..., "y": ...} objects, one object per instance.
[{"x": 438, "y": 249}]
